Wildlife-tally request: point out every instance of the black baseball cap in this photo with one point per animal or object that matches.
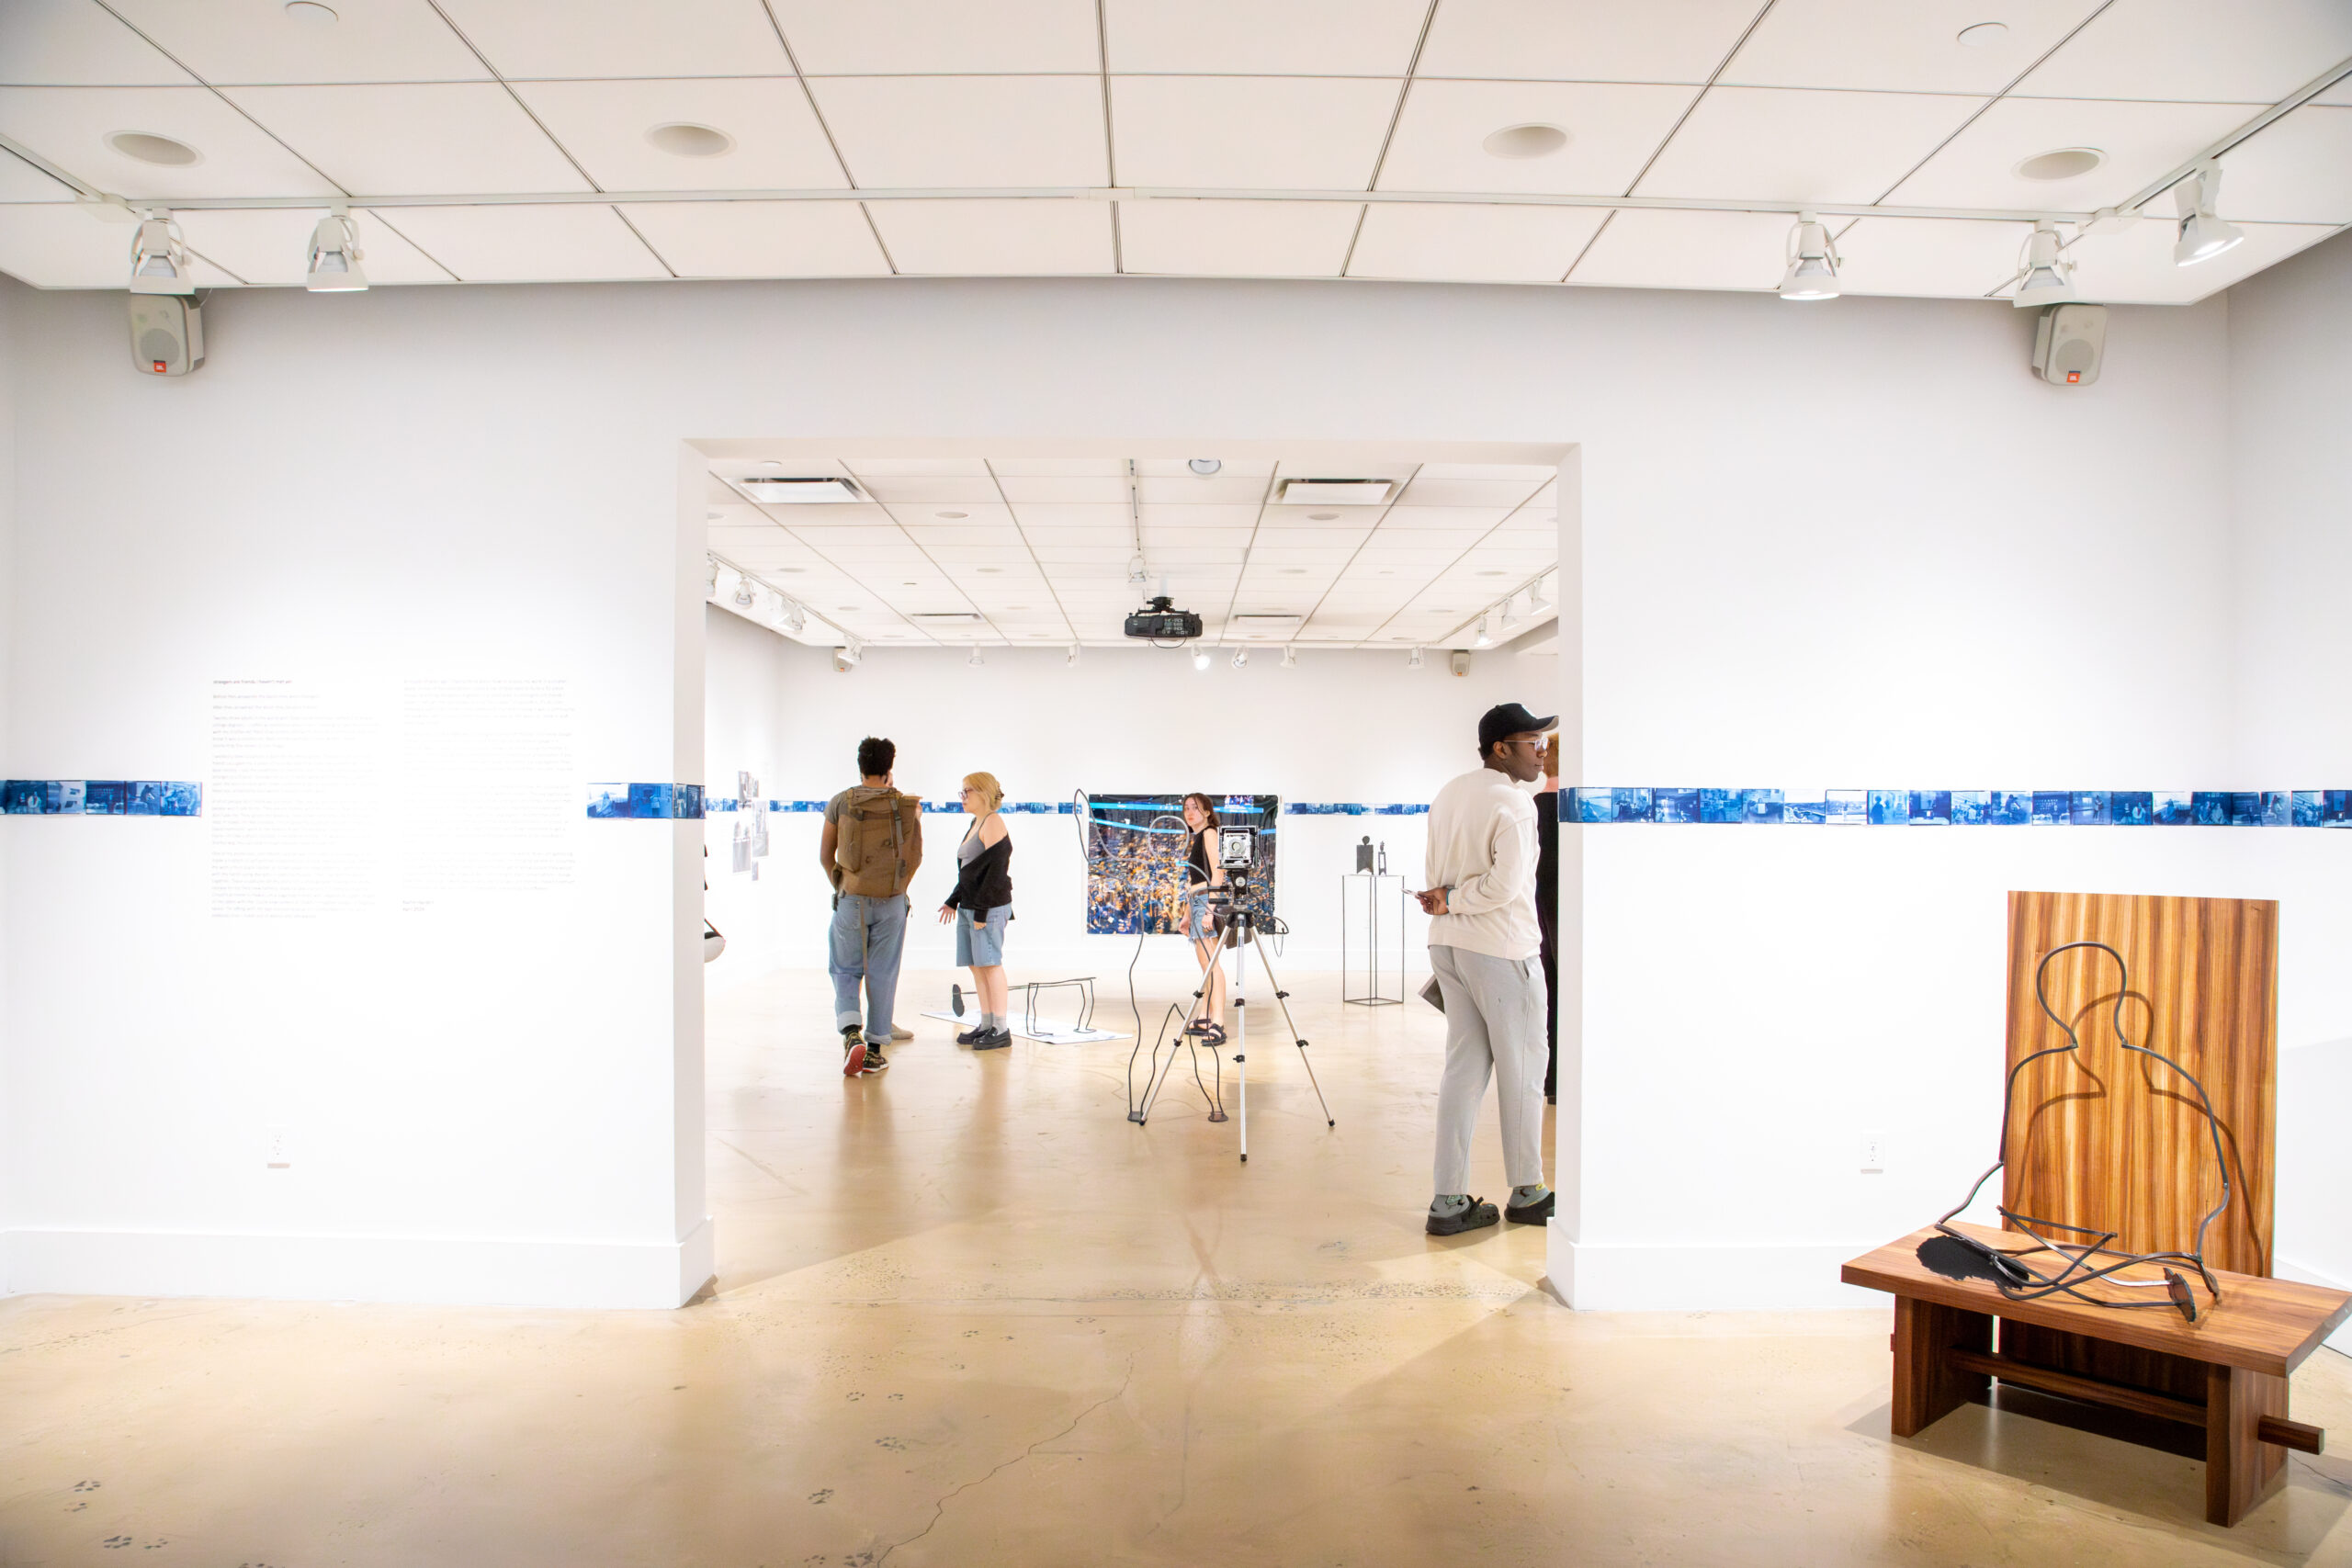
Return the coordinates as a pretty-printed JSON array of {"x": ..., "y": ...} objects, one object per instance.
[{"x": 1510, "y": 719}]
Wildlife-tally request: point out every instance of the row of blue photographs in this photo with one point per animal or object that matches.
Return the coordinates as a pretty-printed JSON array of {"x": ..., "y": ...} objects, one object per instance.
[
  {"x": 1974, "y": 807},
  {"x": 617, "y": 801},
  {"x": 100, "y": 798},
  {"x": 657, "y": 801}
]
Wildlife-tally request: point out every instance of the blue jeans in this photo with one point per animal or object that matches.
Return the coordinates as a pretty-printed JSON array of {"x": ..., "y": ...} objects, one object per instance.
[{"x": 869, "y": 937}]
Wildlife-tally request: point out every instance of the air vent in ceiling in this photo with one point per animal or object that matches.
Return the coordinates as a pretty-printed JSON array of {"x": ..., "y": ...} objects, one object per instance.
[
  {"x": 1264, "y": 628},
  {"x": 1345, "y": 492},
  {"x": 822, "y": 489}
]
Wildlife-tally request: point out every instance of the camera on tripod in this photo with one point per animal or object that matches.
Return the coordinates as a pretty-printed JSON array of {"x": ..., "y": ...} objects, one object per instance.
[{"x": 1236, "y": 848}]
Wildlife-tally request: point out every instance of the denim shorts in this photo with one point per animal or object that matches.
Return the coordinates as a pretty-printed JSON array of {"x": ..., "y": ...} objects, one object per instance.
[
  {"x": 981, "y": 943},
  {"x": 1204, "y": 916}
]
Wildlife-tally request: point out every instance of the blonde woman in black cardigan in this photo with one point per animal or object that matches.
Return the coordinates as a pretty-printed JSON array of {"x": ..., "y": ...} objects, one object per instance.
[{"x": 981, "y": 906}]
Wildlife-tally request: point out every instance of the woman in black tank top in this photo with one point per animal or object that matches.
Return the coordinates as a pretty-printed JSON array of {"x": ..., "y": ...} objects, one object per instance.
[{"x": 1203, "y": 920}]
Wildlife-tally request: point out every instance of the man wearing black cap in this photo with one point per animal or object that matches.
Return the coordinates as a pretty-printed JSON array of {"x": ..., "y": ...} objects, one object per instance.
[{"x": 1484, "y": 952}]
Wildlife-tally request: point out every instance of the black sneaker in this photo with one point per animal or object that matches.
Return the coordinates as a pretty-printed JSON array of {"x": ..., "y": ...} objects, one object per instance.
[
  {"x": 1534, "y": 1213},
  {"x": 875, "y": 1061},
  {"x": 993, "y": 1040},
  {"x": 854, "y": 1052},
  {"x": 1478, "y": 1216}
]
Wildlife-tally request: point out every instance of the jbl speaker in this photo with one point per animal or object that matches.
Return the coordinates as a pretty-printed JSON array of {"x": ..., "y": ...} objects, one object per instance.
[
  {"x": 2067, "y": 343},
  {"x": 166, "y": 333}
]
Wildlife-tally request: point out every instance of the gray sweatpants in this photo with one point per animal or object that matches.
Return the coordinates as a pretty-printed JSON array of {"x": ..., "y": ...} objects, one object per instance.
[{"x": 1494, "y": 1022}]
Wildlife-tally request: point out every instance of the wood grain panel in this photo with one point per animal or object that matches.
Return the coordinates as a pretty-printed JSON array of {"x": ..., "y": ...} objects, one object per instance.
[{"x": 2106, "y": 1138}]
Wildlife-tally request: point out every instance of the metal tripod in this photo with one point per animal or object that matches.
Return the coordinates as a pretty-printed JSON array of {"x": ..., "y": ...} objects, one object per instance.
[{"x": 1240, "y": 932}]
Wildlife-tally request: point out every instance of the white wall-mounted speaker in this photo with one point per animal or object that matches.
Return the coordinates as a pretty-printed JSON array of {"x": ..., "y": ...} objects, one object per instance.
[
  {"x": 166, "y": 333},
  {"x": 2068, "y": 342},
  {"x": 1459, "y": 662}
]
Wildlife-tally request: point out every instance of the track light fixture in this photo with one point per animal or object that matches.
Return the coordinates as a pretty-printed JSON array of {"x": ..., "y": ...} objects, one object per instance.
[
  {"x": 1536, "y": 602},
  {"x": 1070, "y": 658},
  {"x": 1813, "y": 261},
  {"x": 1413, "y": 660},
  {"x": 1240, "y": 658},
  {"x": 710, "y": 578},
  {"x": 2203, "y": 235},
  {"x": 158, "y": 259},
  {"x": 745, "y": 593},
  {"x": 1200, "y": 659},
  {"x": 335, "y": 256},
  {"x": 796, "y": 617},
  {"x": 1290, "y": 656},
  {"x": 1485, "y": 638},
  {"x": 976, "y": 660},
  {"x": 2048, "y": 276},
  {"x": 1510, "y": 611}
]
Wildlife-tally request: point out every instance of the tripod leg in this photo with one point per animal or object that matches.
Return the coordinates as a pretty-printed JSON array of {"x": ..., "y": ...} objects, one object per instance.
[
  {"x": 1282, "y": 1000},
  {"x": 1240, "y": 1004}
]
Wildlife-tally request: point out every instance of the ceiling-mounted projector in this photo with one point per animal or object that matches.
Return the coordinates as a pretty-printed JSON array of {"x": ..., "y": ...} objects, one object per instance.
[{"x": 1162, "y": 622}]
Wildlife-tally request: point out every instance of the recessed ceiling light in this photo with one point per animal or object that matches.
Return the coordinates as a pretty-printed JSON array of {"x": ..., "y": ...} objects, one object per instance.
[
  {"x": 310, "y": 11},
  {"x": 771, "y": 462},
  {"x": 1493, "y": 572},
  {"x": 1385, "y": 571},
  {"x": 1984, "y": 35},
  {"x": 908, "y": 585},
  {"x": 1322, "y": 517},
  {"x": 1526, "y": 142},
  {"x": 1205, "y": 467},
  {"x": 2060, "y": 164},
  {"x": 1292, "y": 571},
  {"x": 991, "y": 571},
  {"x": 150, "y": 149},
  {"x": 792, "y": 570},
  {"x": 951, "y": 516},
  {"x": 845, "y": 607},
  {"x": 687, "y": 139}
]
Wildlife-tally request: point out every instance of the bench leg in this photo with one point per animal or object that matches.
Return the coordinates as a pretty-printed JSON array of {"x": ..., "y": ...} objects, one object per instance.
[
  {"x": 2240, "y": 1468},
  {"x": 1926, "y": 1385}
]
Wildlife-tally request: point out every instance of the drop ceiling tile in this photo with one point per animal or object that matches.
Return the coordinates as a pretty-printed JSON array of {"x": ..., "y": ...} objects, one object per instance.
[
  {"x": 72, "y": 44},
  {"x": 2136, "y": 267},
  {"x": 1007, "y": 238},
  {"x": 67, "y": 127},
  {"x": 273, "y": 245},
  {"x": 2140, "y": 142},
  {"x": 1177, "y": 538},
  {"x": 1289, "y": 555},
  {"x": 19, "y": 181},
  {"x": 1613, "y": 129},
  {"x": 905, "y": 38},
  {"x": 1646, "y": 248},
  {"x": 1179, "y": 468},
  {"x": 1428, "y": 491},
  {"x": 1784, "y": 144},
  {"x": 239, "y": 41},
  {"x": 1237, "y": 239},
  {"x": 1250, "y": 132},
  {"x": 2188, "y": 50},
  {"x": 1583, "y": 40},
  {"x": 1052, "y": 556},
  {"x": 1911, "y": 48},
  {"x": 1222, "y": 491},
  {"x": 1471, "y": 244},
  {"x": 58, "y": 245},
  {"x": 892, "y": 491},
  {"x": 1059, "y": 468},
  {"x": 1936, "y": 258},
  {"x": 418, "y": 139},
  {"x": 1248, "y": 37},
  {"x": 1011, "y": 558},
  {"x": 994, "y": 544},
  {"x": 1039, "y": 537},
  {"x": 1534, "y": 473},
  {"x": 2299, "y": 169},
  {"x": 1022, "y": 490},
  {"x": 1175, "y": 514},
  {"x": 1334, "y": 542},
  {"x": 968, "y": 518},
  {"x": 777, "y": 143},
  {"x": 759, "y": 239},
  {"x": 936, "y": 131},
  {"x": 528, "y": 244},
  {"x": 535, "y": 38}
]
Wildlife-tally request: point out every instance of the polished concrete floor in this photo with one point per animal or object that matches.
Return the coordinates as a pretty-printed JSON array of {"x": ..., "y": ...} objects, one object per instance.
[{"x": 969, "y": 1315}]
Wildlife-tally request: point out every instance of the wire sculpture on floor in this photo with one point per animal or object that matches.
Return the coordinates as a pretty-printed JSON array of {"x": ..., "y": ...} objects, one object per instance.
[{"x": 1955, "y": 1254}]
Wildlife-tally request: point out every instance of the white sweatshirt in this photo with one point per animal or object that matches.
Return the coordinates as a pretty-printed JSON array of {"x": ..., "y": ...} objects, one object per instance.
[{"x": 1482, "y": 844}]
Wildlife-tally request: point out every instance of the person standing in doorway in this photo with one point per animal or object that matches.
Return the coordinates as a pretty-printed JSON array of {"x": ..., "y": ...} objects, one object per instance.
[
  {"x": 1548, "y": 905},
  {"x": 1484, "y": 955},
  {"x": 870, "y": 847},
  {"x": 981, "y": 906}
]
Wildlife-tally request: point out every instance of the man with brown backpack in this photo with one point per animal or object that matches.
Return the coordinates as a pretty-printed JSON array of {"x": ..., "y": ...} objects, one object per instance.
[{"x": 870, "y": 848}]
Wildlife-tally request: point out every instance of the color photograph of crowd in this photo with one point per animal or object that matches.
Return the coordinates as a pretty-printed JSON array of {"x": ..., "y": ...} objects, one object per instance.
[{"x": 1135, "y": 859}]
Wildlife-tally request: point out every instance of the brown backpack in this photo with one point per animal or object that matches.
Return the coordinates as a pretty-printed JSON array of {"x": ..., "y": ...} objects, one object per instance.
[{"x": 875, "y": 849}]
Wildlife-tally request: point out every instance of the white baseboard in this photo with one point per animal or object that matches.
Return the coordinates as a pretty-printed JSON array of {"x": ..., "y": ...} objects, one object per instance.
[
  {"x": 2288, "y": 1268},
  {"x": 447, "y": 1270},
  {"x": 1605, "y": 1278}
]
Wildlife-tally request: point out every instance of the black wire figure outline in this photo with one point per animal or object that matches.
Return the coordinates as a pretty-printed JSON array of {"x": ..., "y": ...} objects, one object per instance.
[{"x": 2020, "y": 1282}]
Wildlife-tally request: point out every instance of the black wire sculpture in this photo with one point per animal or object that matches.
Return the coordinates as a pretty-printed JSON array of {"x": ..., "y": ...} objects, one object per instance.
[{"x": 1957, "y": 1254}]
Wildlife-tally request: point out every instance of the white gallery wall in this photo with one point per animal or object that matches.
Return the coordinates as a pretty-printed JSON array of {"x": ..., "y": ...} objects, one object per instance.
[
  {"x": 2291, "y": 557},
  {"x": 1854, "y": 545},
  {"x": 1341, "y": 725}
]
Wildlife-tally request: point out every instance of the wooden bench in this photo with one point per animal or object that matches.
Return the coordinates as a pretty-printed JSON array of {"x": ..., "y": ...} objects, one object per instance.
[{"x": 2241, "y": 1351}]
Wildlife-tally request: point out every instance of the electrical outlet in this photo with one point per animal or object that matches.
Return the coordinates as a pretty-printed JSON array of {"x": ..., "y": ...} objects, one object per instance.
[
  {"x": 280, "y": 1156},
  {"x": 1873, "y": 1152}
]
